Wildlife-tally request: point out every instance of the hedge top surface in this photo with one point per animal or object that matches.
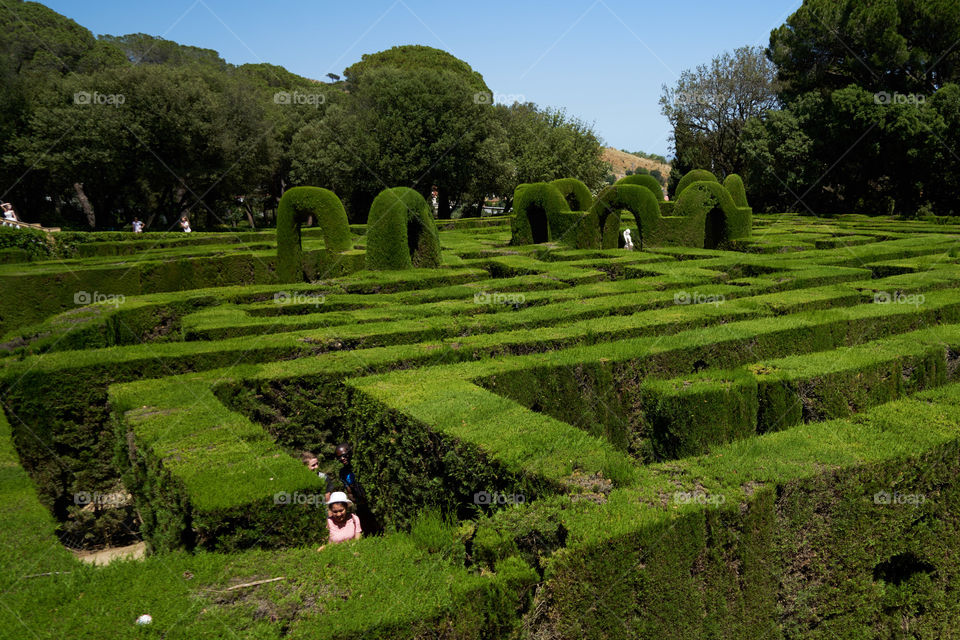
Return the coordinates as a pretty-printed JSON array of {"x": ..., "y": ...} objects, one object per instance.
[
  {"x": 644, "y": 180},
  {"x": 695, "y": 175}
]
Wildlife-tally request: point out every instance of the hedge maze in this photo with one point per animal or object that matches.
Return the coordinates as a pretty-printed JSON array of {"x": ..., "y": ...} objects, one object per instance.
[
  {"x": 706, "y": 214},
  {"x": 748, "y": 429}
]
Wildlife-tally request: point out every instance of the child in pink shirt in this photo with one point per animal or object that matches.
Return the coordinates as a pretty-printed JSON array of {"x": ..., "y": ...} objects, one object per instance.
[{"x": 341, "y": 524}]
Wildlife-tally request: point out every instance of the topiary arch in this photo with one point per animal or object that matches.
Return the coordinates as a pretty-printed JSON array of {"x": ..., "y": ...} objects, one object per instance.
[
  {"x": 296, "y": 205},
  {"x": 644, "y": 180},
  {"x": 696, "y": 175},
  {"x": 576, "y": 193},
  {"x": 723, "y": 220},
  {"x": 634, "y": 198},
  {"x": 534, "y": 205},
  {"x": 401, "y": 232},
  {"x": 734, "y": 184}
]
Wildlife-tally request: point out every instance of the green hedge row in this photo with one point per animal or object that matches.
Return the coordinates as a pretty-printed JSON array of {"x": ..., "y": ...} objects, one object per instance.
[
  {"x": 754, "y": 539},
  {"x": 295, "y": 207}
]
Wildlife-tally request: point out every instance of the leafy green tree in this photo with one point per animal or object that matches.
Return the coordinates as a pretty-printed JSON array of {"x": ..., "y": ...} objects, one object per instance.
[
  {"x": 404, "y": 123},
  {"x": 139, "y": 48},
  {"x": 709, "y": 106},
  {"x": 898, "y": 46},
  {"x": 869, "y": 109},
  {"x": 545, "y": 144}
]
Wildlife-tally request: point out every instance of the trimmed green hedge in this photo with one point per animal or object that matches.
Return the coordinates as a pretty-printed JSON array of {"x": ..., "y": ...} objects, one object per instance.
[
  {"x": 296, "y": 205},
  {"x": 644, "y": 180},
  {"x": 734, "y": 185},
  {"x": 723, "y": 221},
  {"x": 576, "y": 193},
  {"x": 534, "y": 206},
  {"x": 401, "y": 232},
  {"x": 695, "y": 175},
  {"x": 636, "y": 199}
]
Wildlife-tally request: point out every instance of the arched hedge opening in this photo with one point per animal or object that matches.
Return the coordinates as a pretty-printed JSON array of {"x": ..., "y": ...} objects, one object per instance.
[
  {"x": 715, "y": 229},
  {"x": 534, "y": 206},
  {"x": 295, "y": 207},
  {"x": 576, "y": 193},
  {"x": 634, "y": 198},
  {"x": 401, "y": 232}
]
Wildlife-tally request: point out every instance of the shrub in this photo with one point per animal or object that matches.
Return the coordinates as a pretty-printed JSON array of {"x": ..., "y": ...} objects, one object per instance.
[
  {"x": 696, "y": 175},
  {"x": 634, "y": 198},
  {"x": 534, "y": 205},
  {"x": 644, "y": 180},
  {"x": 734, "y": 184},
  {"x": 577, "y": 195},
  {"x": 723, "y": 221},
  {"x": 36, "y": 244},
  {"x": 296, "y": 205},
  {"x": 401, "y": 232}
]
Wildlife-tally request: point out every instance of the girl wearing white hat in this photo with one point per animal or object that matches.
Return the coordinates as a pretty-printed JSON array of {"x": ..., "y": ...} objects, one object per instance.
[{"x": 342, "y": 524}]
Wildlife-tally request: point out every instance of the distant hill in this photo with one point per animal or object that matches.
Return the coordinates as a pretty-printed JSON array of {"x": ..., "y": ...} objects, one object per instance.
[{"x": 620, "y": 162}]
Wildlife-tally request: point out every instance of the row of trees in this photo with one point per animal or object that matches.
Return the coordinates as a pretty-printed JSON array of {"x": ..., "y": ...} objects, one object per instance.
[
  {"x": 853, "y": 108},
  {"x": 95, "y": 131}
]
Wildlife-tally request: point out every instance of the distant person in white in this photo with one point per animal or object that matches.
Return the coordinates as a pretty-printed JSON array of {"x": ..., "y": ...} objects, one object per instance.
[
  {"x": 9, "y": 214},
  {"x": 137, "y": 225},
  {"x": 628, "y": 243},
  {"x": 185, "y": 224}
]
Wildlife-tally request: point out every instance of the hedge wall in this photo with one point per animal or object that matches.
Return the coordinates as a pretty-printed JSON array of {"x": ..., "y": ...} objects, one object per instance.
[
  {"x": 734, "y": 185},
  {"x": 534, "y": 206},
  {"x": 576, "y": 193},
  {"x": 296, "y": 205},
  {"x": 401, "y": 232},
  {"x": 644, "y": 180},
  {"x": 695, "y": 175}
]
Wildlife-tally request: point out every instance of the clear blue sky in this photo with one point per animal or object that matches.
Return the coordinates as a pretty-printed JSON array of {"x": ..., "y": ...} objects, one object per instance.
[{"x": 604, "y": 61}]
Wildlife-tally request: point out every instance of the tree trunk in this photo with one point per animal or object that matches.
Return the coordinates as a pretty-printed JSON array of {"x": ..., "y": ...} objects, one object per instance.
[
  {"x": 85, "y": 204},
  {"x": 249, "y": 211}
]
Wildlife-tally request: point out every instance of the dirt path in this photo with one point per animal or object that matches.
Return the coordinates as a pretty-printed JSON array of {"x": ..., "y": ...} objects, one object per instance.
[{"x": 105, "y": 556}]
